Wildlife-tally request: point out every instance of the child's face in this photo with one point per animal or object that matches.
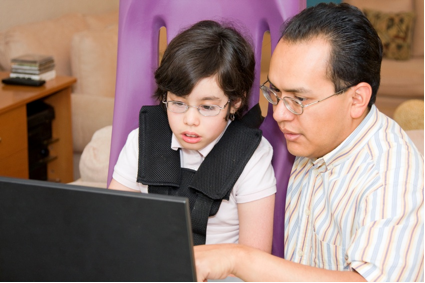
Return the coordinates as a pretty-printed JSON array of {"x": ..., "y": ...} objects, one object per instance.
[{"x": 193, "y": 130}]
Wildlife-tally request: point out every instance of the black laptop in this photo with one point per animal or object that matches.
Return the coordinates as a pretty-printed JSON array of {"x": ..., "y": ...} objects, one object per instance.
[{"x": 60, "y": 232}]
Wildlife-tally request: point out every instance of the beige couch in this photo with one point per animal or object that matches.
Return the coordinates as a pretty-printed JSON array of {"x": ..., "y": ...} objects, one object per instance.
[
  {"x": 83, "y": 46},
  {"x": 401, "y": 80}
]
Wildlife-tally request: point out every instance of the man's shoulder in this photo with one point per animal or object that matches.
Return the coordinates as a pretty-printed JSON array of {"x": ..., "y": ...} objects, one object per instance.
[
  {"x": 390, "y": 150},
  {"x": 390, "y": 138}
]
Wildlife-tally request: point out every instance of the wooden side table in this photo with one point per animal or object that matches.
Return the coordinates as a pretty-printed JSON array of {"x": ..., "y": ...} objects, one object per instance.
[{"x": 14, "y": 132}]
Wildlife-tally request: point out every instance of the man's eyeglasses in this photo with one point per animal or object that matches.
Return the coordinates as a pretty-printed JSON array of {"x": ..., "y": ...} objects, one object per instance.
[
  {"x": 292, "y": 104},
  {"x": 204, "y": 110}
]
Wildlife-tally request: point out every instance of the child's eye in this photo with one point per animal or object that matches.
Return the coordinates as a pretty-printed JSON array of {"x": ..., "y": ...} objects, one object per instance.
[
  {"x": 208, "y": 107},
  {"x": 177, "y": 103}
]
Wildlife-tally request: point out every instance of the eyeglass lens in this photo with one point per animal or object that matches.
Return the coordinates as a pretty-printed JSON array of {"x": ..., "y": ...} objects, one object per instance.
[
  {"x": 205, "y": 110},
  {"x": 291, "y": 104}
]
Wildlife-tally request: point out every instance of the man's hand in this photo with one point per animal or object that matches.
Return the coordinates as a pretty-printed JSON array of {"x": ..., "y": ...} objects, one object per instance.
[{"x": 249, "y": 264}]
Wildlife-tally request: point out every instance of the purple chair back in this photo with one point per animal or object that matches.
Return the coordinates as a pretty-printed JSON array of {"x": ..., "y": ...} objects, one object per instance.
[{"x": 138, "y": 37}]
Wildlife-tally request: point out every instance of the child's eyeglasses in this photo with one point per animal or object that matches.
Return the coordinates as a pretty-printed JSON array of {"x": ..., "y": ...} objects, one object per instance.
[{"x": 204, "y": 110}]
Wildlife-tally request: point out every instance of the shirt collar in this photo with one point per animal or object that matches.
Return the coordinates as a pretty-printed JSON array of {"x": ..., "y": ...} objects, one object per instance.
[
  {"x": 353, "y": 143},
  {"x": 175, "y": 144}
]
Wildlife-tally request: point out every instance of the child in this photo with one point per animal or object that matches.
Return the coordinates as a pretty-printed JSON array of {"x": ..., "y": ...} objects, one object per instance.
[{"x": 190, "y": 147}]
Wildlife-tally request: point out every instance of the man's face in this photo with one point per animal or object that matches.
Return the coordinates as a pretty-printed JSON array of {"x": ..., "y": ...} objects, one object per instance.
[{"x": 299, "y": 70}]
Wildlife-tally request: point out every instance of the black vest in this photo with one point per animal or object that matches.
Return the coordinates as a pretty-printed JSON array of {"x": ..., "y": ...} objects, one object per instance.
[{"x": 159, "y": 165}]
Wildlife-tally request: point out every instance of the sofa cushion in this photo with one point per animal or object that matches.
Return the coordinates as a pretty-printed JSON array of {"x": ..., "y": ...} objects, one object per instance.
[
  {"x": 417, "y": 137},
  {"x": 395, "y": 31},
  {"x": 418, "y": 35},
  {"x": 101, "y": 21},
  {"x": 4, "y": 60},
  {"x": 94, "y": 61},
  {"x": 385, "y": 6},
  {"x": 410, "y": 115},
  {"x": 79, "y": 182},
  {"x": 95, "y": 158},
  {"x": 89, "y": 113},
  {"x": 50, "y": 37},
  {"x": 402, "y": 78}
]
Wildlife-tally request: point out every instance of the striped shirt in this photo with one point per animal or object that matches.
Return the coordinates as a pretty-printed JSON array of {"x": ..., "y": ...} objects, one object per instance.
[{"x": 360, "y": 206}]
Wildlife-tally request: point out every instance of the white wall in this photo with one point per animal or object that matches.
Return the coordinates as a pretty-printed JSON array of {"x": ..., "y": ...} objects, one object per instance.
[{"x": 17, "y": 12}]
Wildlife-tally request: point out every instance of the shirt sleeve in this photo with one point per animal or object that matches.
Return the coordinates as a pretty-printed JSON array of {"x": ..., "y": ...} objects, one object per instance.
[
  {"x": 257, "y": 179},
  {"x": 125, "y": 170},
  {"x": 388, "y": 245}
]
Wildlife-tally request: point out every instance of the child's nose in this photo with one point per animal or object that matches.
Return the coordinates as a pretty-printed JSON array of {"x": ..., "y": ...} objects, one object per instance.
[{"x": 191, "y": 117}]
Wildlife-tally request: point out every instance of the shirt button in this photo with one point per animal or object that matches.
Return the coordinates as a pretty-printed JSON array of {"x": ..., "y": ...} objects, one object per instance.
[
  {"x": 307, "y": 212},
  {"x": 300, "y": 253},
  {"x": 346, "y": 257}
]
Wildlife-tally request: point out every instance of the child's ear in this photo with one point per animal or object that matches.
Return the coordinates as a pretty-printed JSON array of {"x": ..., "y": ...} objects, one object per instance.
[
  {"x": 236, "y": 104},
  {"x": 360, "y": 99}
]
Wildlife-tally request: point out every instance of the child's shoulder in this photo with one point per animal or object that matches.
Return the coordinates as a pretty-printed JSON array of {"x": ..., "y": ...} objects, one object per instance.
[
  {"x": 133, "y": 135},
  {"x": 264, "y": 147},
  {"x": 264, "y": 142}
]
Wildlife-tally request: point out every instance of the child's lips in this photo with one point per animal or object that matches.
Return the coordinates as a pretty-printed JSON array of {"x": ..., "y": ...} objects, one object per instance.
[{"x": 190, "y": 137}]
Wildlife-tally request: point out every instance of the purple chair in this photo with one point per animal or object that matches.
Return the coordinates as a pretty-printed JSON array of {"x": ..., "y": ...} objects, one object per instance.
[{"x": 139, "y": 24}]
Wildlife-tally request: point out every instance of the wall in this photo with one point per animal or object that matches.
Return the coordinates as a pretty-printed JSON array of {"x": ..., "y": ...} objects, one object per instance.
[
  {"x": 311, "y": 3},
  {"x": 16, "y": 12}
]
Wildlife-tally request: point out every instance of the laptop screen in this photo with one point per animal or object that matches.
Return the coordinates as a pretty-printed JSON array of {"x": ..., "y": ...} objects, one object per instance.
[{"x": 59, "y": 232}]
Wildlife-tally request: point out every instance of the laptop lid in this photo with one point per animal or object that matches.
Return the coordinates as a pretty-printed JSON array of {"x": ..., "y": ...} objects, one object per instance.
[{"x": 60, "y": 232}]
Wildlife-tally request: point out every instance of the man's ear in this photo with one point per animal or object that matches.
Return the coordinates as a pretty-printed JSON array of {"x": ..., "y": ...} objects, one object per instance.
[{"x": 360, "y": 99}]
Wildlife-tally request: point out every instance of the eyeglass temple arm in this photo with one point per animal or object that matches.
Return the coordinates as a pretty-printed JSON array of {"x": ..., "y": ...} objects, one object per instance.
[{"x": 336, "y": 93}]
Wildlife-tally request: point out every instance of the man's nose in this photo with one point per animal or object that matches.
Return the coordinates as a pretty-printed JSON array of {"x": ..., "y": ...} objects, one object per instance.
[{"x": 281, "y": 113}]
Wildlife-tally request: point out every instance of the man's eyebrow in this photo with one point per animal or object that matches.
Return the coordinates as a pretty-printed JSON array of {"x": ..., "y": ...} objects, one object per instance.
[
  {"x": 296, "y": 90},
  {"x": 290, "y": 90},
  {"x": 275, "y": 88}
]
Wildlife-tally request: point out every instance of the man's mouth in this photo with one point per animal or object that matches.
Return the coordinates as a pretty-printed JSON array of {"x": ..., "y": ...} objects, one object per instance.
[{"x": 290, "y": 136}]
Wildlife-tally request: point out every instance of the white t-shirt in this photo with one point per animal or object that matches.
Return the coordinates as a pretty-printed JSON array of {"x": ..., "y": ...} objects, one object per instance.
[{"x": 256, "y": 181}]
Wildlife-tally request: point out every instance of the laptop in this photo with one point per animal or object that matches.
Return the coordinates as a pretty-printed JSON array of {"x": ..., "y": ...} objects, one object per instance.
[{"x": 60, "y": 232}]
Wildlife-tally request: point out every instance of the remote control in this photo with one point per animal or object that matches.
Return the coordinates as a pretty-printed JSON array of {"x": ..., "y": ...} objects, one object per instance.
[{"x": 22, "y": 81}]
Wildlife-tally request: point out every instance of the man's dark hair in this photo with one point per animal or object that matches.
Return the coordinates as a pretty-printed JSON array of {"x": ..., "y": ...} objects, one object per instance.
[
  {"x": 356, "y": 49},
  {"x": 206, "y": 49}
]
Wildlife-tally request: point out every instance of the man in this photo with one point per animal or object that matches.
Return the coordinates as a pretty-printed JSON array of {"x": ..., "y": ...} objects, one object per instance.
[{"x": 354, "y": 207}]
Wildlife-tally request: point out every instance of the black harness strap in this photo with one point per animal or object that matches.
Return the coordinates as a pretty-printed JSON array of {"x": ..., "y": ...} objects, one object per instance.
[
  {"x": 157, "y": 161},
  {"x": 199, "y": 214},
  {"x": 159, "y": 166}
]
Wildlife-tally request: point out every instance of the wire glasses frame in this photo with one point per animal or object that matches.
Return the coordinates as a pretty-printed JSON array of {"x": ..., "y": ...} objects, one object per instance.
[
  {"x": 204, "y": 110},
  {"x": 292, "y": 104}
]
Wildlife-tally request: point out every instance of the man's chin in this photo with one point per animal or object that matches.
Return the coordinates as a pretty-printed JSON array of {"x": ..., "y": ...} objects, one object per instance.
[{"x": 296, "y": 150}]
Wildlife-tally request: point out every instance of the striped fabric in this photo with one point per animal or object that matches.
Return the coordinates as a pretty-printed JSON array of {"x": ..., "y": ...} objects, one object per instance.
[{"x": 360, "y": 206}]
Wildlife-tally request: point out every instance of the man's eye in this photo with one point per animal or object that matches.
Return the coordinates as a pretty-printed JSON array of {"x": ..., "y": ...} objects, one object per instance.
[
  {"x": 300, "y": 99},
  {"x": 275, "y": 89},
  {"x": 208, "y": 107}
]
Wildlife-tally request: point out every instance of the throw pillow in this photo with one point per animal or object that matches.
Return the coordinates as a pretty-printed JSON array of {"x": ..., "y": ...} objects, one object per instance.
[{"x": 395, "y": 31}]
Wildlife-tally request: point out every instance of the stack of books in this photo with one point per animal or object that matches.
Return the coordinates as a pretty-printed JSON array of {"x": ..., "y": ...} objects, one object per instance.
[{"x": 33, "y": 66}]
